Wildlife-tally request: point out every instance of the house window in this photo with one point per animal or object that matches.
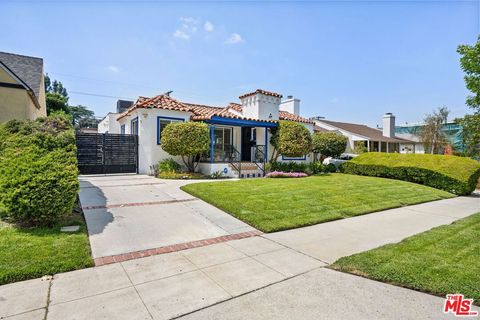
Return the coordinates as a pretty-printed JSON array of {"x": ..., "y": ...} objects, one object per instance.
[
  {"x": 134, "y": 126},
  {"x": 122, "y": 129},
  {"x": 301, "y": 158},
  {"x": 162, "y": 122},
  {"x": 222, "y": 138}
]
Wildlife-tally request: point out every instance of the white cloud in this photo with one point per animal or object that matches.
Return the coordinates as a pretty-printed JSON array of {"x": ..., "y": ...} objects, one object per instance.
[
  {"x": 208, "y": 26},
  {"x": 113, "y": 69},
  {"x": 189, "y": 20},
  {"x": 181, "y": 34},
  {"x": 234, "y": 38},
  {"x": 187, "y": 28}
]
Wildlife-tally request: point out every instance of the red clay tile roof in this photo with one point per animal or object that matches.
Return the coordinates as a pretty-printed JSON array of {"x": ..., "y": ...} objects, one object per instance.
[
  {"x": 235, "y": 106},
  {"x": 284, "y": 115},
  {"x": 161, "y": 102},
  {"x": 200, "y": 111},
  {"x": 265, "y": 92}
]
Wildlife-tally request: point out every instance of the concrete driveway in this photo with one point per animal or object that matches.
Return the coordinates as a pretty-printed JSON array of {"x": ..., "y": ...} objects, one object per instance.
[
  {"x": 128, "y": 214},
  {"x": 280, "y": 275}
]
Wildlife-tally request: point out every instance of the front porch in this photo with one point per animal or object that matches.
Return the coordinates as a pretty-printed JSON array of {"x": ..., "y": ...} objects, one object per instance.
[{"x": 238, "y": 147}]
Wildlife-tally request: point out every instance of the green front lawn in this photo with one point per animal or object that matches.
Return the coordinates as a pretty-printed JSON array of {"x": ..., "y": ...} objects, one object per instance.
[
  {"x": 32, "y": 253},
  {"x": 278, "y": 204},
  {"x": 440, "y": 261}
]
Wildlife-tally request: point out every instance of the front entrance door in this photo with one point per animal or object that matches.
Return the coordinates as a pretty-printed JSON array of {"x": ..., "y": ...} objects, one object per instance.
[{"x": 248, "y": 141}]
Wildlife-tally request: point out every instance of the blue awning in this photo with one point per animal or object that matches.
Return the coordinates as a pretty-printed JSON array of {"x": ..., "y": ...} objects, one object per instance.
[{"x": 241, "y": 122}]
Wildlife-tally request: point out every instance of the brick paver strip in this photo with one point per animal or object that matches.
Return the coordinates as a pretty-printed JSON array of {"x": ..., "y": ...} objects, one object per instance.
[
  {"x": 173, "y": 248},
  {"x": 135, "y": 204},
  {"x": 125, "y": 185}
]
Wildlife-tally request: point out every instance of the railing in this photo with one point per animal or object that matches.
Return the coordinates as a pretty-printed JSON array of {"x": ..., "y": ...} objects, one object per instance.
[
  {"x": 259, "y": 157},
  {"x": 225, "y": 153},
  {"x": 235, "y": 160}
]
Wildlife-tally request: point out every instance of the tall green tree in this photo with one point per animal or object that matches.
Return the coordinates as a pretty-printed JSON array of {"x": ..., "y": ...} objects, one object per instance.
[
  {"x": 55, "y": 87},
  {"x": 57, "y": 101},
  {"x": 470, "y": 64},
  {"x": 82, "y": 117}
]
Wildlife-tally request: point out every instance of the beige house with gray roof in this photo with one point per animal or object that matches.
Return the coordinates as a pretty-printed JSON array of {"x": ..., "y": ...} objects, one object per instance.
[{"x": 22, "y": 87}]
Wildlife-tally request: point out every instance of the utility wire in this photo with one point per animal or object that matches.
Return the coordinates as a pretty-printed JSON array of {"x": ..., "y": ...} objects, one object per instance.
[{"x": 99, "y": 95}]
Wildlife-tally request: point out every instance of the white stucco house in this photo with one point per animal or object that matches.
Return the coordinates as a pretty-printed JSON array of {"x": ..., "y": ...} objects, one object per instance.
[
  {"x": 239, "y": 133},
  {"x": 372, "y": 139}
]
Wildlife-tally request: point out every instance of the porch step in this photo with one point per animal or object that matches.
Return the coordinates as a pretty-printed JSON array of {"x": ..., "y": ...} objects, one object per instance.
[{"x": 248, "y": 170}]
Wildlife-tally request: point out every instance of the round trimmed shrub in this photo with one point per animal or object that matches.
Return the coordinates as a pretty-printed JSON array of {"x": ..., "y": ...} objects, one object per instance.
[
  {"x": 329, "y": 144},
  {"x": 188, "y": 140},
  {"x": 291, "y": 139}
]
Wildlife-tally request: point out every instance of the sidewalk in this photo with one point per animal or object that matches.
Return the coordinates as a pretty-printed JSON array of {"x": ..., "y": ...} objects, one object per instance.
[{"x": 276, "y": 275}]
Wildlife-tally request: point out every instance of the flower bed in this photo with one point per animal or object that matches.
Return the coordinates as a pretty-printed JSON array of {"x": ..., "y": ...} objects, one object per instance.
[{"x": 281, "y": 174}]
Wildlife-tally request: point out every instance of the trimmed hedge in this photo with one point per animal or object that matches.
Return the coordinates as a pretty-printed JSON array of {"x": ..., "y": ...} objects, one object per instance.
[
  {"x": 457, "y": 175},
  {"x": 38, "y": 171}
]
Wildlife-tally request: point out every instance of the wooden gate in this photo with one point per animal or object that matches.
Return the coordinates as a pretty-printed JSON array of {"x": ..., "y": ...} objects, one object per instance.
[{"x": 99, "y": 153}]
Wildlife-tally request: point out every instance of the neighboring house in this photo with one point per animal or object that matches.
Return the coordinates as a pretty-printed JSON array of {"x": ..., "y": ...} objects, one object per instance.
[
  {"x": 239, "y": 132},
  {"x": 453, "y": 131},
  {"x": 109, "y": 123},
  {"x": 371, "y": 139},
  {"x": 22, "y": 87}
]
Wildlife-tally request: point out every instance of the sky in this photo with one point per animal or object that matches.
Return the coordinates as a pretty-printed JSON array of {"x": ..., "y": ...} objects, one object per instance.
[{"x": 347, "y": 61}]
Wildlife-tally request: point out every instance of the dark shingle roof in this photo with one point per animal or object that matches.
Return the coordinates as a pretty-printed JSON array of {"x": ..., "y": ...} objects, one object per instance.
[
  {"x": 27, "y": 69},
  {"x": 363, "y": 130}
]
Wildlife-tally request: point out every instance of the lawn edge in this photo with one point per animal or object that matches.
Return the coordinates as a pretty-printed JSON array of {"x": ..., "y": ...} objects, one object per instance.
[
  {"x": 334, "y": 266},
  {"x": 193, "y": 193}
]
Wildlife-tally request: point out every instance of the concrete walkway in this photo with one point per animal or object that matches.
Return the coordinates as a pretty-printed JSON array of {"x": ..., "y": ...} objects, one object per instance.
[
  {"x": 330, "y": 241},
  {"x": 132, "y": 213},
  {"x": 279, "y": 275}
]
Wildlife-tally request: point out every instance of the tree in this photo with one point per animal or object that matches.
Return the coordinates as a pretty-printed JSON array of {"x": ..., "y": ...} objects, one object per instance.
[
  {"x": 431, "y": 134},
  {"x": 471, "y": 133},
  {"x": 329, "y": 144},
  {"x": 188, "y": 140},
  {"x": 470, "y": 64},
  {"x": 291, "y": 139},
  {"x": 82, "y": 117},
  {"x": 56, "y": 96},
  {"x": 56, "y": 102},
  {"x": 55, "y": 87}
]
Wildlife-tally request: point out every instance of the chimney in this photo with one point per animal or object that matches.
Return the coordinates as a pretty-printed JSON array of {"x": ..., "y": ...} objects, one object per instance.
[
  {"x": 389, "y": 125},
  {"x": 261, "y": 105},
  {"x": 291, "y": 105},
  {"x": 123, "y": 105}
]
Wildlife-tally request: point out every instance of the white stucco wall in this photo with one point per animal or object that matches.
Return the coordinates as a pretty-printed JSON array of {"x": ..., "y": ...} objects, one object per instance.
[
  {"x": 260, "y": 106},
  {"x": 150, "y": 153},
  {"x": 224, "y": 168},
  {"x": 109, "y": 124}
]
